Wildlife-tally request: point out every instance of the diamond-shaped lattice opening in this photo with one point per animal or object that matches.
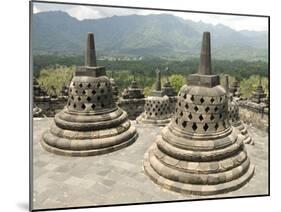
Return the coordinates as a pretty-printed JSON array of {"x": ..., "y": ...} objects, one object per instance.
[
  {"x": 94, "y": 92},
  {"x": 212, "y": 100},
  {"x": 161, "y": 113},
  {"x": 216, "y": 126},
  {"x": 74, "y": 105},
  {"x": 205, "y": 127},
  {"x": 76, "y": 91},
  {"x": 158, "y": 109},
  {"x": 68, "y": 103},
  {"x": 202, "y": 100},
  {"x": 74, "y": 84},
  {"x": 184, "y": 96},
  {"x": 98, "y": 85},
  {"x": 83, "y": 106},
  {"x": 179, "y": 104},
  {"x": 223, "y": 124},
  {"x": 150, "y": 114},
  {"x": 89, "y": 85},
  {"x": 220, "y": 116},
  {"x": 190, "y": 116},
  {"x": 207, "y": 109},
  {"x": 192, "y": 98},
  {"x": 153, "y": 109},
  {"x": 176, "y": 109},
  {"x": 93, "y": 106},
  {"x": 98, "y": 98},
  {"x": 212, "y": 117},
  {"x": 196, "y": 108},
  {"x": 220, "y": 99},
  {"x": 72, "y": 97},
  {"x": 89, "y": 99},
  {"x": 216, "y": 109},
  {"x": 156, "y": 106},
  {"x": 102, "y": 105},
  {"x": 80, "y": 85},
  {"x": 181, "y": 114},
  {"x": 84, "y": 92},
  {"x": 70, "y": 90},
  {"x": 186, "y": 106},
  {"x": 184, "y": 124},
  {"x": 79, "y": 98},
  {"x": 156, "y": 114},
  {"x": 194, "y": 126},
  {"x": 201, "y": 118}
]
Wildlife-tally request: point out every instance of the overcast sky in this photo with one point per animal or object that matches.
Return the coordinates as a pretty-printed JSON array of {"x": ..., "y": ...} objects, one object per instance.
[{"x": 93, "y": 12}]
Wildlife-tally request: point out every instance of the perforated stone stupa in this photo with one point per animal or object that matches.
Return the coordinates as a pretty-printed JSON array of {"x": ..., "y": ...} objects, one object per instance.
[
  {"x": 115, "y": 90},
  {"x": 169, "y": 90},
  {"x": 259, "y": 96},
  {"x": 199, "y": 152},
  {"x": 234, "y": 117},
  {"x": 234, "y": 89},
  {"x": 90, "y": 123},
  {"x": 157, "y": 108},
  {"x": 132, "y": 100}
]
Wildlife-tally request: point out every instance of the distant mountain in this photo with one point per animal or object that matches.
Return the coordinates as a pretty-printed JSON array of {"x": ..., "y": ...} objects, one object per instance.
[{"x": 162, "y": 35}]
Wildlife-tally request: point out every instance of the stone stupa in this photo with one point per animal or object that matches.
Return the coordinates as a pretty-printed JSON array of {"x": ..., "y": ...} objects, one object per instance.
[
  {"x": 234, "y": 117},
  {"x": 90, "y": 123},
  {"x": 199, "y": 152},
  {"x": 157, "y": 109},
  {"x": 234, "y": 89},
  {"x": 169, "y": 90},
  {"x": 259, "y": 96},
  {"x": 132, "y": 100},
  {"x": 115, "y": 89}
]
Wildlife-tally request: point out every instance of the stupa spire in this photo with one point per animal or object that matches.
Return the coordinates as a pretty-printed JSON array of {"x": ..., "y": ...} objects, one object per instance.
[
  {"x": 205, "y": 66},
  {"x": 90, "y": 57},
  {"x": 158, "y": 79},
  {"x": 226, "y": 84}
]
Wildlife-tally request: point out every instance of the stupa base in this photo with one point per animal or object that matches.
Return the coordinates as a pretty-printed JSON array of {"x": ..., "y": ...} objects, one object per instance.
[
  {"x": 157, "y": 122},
  {"x": 194, "y": 189},
  {"x": 247, "y": 138},
  {"x": 87, "y": 147}
]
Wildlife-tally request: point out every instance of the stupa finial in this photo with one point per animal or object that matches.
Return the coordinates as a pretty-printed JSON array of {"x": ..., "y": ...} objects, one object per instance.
[
  {"x": 205, "y": 66},
  {"x": 226, "y": 84},
  {"x": 90, "y": 57},
  {"x": 158, "y": 79}
]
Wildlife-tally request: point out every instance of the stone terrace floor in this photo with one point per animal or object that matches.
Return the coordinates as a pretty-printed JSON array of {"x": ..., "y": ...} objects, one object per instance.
[{"x": 118, "y": 177}]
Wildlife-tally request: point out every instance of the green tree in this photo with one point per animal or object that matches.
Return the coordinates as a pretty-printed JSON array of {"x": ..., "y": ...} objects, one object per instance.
[
  {"x": 177, "y": 81},
  {"x": 247, "y": 86},
  {"x": 55, "y": 76}
]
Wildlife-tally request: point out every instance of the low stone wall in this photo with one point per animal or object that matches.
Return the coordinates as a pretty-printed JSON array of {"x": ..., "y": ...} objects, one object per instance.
[
  {"x": 254, "y": 115},
  {"x": 51, "y": 106}
]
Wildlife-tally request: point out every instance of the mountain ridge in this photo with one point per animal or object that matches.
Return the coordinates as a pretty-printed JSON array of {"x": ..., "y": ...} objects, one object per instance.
[{"x": 162, "y": 35}]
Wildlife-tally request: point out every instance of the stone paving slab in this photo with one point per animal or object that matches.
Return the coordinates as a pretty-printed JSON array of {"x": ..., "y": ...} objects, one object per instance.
[{"x": 118, "y": 177}]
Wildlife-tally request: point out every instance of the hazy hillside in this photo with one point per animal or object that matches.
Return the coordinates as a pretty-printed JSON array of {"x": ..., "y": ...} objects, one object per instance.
[{"x": 151, "y": 35}]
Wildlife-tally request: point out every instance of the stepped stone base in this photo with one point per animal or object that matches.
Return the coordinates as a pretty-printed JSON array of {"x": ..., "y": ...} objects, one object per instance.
[
  {"x": 215, "y": 167},
  {"x": 84, "y": 136}
]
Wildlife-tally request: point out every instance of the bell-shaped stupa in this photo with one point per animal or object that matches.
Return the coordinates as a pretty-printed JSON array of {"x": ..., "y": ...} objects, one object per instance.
[
  {"x": 115, "y": 90},
  {"x": 132, "y": 100},
  {"x": 157, "y": 108},
  {"x": 259, "y": 96},
  {"x": 169, "y": 90},
  {"x": 234, "y": 117},
  {"x": 199, "y": 152},
  {"x": 90, "y": 123}
]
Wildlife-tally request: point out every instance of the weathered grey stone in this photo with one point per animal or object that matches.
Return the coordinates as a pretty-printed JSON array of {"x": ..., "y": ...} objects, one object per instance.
[
  {"x": 90, "y": 123},
  {"x": 234, "y": 116},
  {"x": 199, "y": 152},
  {"x": 159, "y": 107},
  {"x": 132, "y": 100}
]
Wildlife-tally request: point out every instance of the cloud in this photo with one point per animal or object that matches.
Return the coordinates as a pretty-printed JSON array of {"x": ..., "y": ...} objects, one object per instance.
[{"x": 94, "y": 12}]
